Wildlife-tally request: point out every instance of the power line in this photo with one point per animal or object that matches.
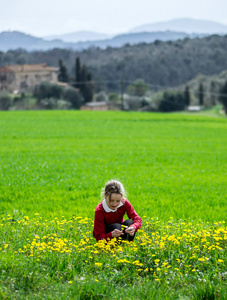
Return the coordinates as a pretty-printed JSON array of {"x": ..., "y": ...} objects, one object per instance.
[{"x": 162, "y": 88}]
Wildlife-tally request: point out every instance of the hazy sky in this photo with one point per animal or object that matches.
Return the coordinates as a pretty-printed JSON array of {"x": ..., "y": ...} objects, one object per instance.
[{"x": 47, "y": 17}]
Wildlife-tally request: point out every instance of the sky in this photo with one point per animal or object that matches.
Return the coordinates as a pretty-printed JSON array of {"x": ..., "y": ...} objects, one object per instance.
[{"x": 51, "y": 17}]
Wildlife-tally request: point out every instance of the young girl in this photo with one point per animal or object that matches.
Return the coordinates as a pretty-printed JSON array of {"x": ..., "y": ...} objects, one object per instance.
[{"x": 109, "y": 214}]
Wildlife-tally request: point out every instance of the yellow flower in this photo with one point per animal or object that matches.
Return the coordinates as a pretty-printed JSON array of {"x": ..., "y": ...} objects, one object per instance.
[
  {"x": 98, "y": 264},
  {"x": 201, "y": 259}
]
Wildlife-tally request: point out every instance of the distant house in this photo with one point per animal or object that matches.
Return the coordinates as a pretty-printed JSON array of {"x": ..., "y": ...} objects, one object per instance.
[
  {"x": 95, "y": 106},
  {"x": 20, "y": 77}
]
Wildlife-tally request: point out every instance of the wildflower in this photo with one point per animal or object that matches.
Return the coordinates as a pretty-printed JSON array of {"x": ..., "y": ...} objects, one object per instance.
[
  {"x": 98, "y": 264},
  {"x": 201, "y": 259}
]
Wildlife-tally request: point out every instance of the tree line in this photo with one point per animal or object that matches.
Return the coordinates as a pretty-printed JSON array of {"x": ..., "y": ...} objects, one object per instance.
[{"x": 169, "y": 63}]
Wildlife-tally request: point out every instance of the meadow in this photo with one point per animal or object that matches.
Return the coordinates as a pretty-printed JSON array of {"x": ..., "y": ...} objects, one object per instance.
[{"x": 53, "y": 165}]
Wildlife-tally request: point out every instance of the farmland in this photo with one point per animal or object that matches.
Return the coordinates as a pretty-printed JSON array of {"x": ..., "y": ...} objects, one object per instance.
[{"x": 52, "y": 168}]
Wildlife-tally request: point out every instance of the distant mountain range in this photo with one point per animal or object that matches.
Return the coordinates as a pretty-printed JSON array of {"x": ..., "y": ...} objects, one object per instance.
[
  {"x": 164, "y": 31},
  {"x": 11, "y": 40},
  {"x": 186, "y": 25},
  {"x": 79, "y": 36}
]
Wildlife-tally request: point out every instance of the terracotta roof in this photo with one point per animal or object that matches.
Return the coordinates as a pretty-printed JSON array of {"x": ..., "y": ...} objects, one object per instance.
[{"x": 28, "y": 68}]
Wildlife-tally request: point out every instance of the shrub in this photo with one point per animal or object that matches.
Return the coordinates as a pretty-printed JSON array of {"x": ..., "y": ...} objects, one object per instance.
[
  {"x": 223, "y": 96},
  {"x": 47, "y": 90},
  {"x": 101, "y": 97},
  {"x": 138, "y": 88},
  {"x": 5, "y": 101},
  {"x": 172, "y": 101},
  {"x": 72, "y": 96}
]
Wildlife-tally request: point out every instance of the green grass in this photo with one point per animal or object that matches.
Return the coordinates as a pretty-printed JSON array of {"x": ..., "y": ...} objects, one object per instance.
[{"x": 55, "y": 163}]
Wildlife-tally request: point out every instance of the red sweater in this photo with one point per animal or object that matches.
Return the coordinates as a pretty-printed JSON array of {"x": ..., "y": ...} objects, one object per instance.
[{"x": 103, "y": 218}]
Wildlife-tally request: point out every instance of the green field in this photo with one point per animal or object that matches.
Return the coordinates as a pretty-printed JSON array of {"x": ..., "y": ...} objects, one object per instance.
[{"x": 54, "y": 163}]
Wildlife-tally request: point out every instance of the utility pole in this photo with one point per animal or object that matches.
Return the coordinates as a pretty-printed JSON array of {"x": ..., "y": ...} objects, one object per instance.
[{"x": 122, "y": 94}]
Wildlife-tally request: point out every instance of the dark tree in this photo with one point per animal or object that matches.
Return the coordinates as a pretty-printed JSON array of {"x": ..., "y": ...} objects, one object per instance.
[
  {"x": 201, "y": 94},
  {"x": 212, "y": 93},
  {"x": 223, "y": 96},
  {"x": 172, "y": 102},
  {"x": 46, "y": 90},
  {"x": 63, "y": 74},
  {"x": 77, "y": 73},
  {"x": 84, "y": 81},
  {"x": 5, "y": 100},
  {"x": 72, "y": 96},
  {"x": 187, "y": 96}
]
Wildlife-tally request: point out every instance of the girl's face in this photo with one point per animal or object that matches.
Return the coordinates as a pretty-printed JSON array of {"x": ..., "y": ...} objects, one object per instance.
[{"x": 113, "y": 200}]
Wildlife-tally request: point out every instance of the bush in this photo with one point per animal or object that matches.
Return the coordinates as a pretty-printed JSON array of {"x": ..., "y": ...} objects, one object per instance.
[
  {"x": 114, "y": 97},
  {"x": 48, "y": 94},
  {"x": 5, "y": 101},
  {"x": 48, "y": 90},
  {"x": 138, "y": 88},
  {"x": 101, "y": 97},
  {"x": 223, "y": 96},
  {"x": 172, "y": 101},
  {"x": 72, "y": 96}
]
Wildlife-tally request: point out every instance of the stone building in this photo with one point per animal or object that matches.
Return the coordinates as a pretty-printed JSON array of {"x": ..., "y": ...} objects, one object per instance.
[{"x": 17, "y": 78}]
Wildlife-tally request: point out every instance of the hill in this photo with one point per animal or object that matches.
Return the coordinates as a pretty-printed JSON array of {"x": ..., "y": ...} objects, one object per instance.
[
  {"x": 78, "y": 36},
  {"x": 161, "y": 64},
  {"x": 186, "y": 25},
  {"x": 10, "y": 40}
]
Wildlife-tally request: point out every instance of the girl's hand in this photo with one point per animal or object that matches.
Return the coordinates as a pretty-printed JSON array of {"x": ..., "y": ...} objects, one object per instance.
[
  {"x": 130, "y": 230},
  {"x": 117, "y": 233}
]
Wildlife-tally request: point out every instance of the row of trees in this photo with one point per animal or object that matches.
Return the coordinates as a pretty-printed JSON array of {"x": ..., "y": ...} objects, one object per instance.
[
  {"x": 165, "y": 64},
  {"x": 139, "y": 97},
  {"x": 48, "y": 94},
  {"x": 82, "y": 79}
]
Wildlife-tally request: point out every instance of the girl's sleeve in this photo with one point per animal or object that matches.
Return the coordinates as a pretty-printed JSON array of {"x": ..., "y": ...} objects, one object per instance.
[
  {"x": 132, "y": 214},
  {"x": 99, "y": 227}
]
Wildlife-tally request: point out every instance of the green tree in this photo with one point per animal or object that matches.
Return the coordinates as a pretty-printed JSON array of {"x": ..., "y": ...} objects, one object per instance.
[
  {"x": 77, "y": 73},
  {"x": 63, "y": 74},
  {"x": 187, "y": 96},
  {"x": 138, "y": 88},
  {"x": 5, "y": 100},
  {"x": 201, "y": 94},
  {"x": 85, "y": 84},
  {"x": 172, "y": 101},
  {"x": 223, "y": 96},
  {"x": 46, "y": 90},
  {"x": 212, "y": 93},
  {"x": 114, "y": 97},
  {"x": 72, "y": 96}
]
